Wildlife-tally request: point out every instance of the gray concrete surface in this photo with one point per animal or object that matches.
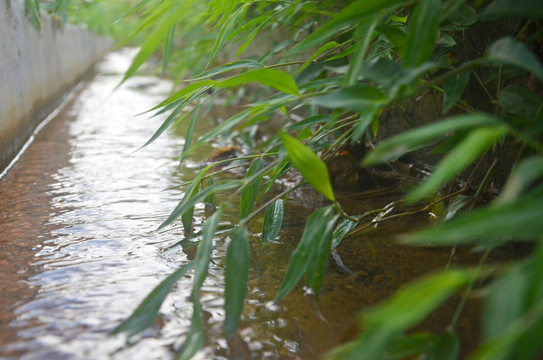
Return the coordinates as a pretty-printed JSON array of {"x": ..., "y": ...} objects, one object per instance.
[{"x": 36, "y": 70}]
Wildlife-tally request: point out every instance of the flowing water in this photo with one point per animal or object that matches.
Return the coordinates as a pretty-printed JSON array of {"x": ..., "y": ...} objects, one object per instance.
[{"x": 79, "y": 248}]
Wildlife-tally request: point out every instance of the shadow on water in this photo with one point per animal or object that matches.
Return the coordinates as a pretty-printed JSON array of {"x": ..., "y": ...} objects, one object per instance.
[{"x": 79, "y": 250}]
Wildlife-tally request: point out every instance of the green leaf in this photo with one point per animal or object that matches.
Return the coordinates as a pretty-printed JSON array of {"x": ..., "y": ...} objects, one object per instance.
[
  {"x": 532, "y": 9},
  {"x": 511, "y": 52},
  {"x": 423, "y": 30},
  {"x": 203, "y": 255},
  {"x": 446, "y": 347},
  {"x": 341, "y": 230},
  {"x": 186, "y": 205},
  {"x": 227, "y": 28},
  {"x": 234, "y": 65},
  {"x": 32, "y": 12},
  {"x": 523, "y": 175},
  {"x": 274, "y": 78},
  {"x": 453, "y": 89},
  {"x": 519, "y": 101},
  {"x": 346, "y": 18},
  {"x": 167, "y": 49},
  {"x": 250, "y": 191},
  {"x": 195, "y": 337},
  {"x": 415, "y": 139},
  {"x": 465, "y": 153},
  {"x": 309, "y": 164},
  {"x": 359, "y": 98},
  {"x": 273, "y": 220},
  {"x": 236, "y": 279},
  {"x": 365, "y": 27},
  {"x": 308, "y": 122},
  {"x": 519, "y": 219},
  {"x": 186, "y": 217},
  {"x": 319, "y": 226},
  {"x": 190, "y": 132},
  {"x": 326, "y": 47},
  {"x": 410, "y": 305},
  {"x": 155, "y": 38},
  {"x": 146, "y": 313}
]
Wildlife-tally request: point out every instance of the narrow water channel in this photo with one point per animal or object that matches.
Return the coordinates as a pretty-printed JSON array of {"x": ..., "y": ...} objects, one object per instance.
[{"x": 79, "y": 248}]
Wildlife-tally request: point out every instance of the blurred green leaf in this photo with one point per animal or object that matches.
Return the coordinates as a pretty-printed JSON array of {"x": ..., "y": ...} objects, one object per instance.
[
  {"x": 423, "y": 30},
  {"x": 195, "y": 337},
  {"x": 234, "y": 65},
  {"x": 308, "y": 122},
  {"x": 319, "y": 226},
  {"x": 309, "y": 164},
  {"x": 396, "y": 146},
  {"x": 32, "y": 12},
  {"x": 519, "y": 219},
  {"x": 532, "y": 9},
  {"x": 365, "y": 27},
  {"x": 155, "y": 38},
  {"x": 465, "y": 153},
  {"x": 236, "y": 279},
  {"x": 186, "y": 217},
  {"x": 446, "y": 347},
  {"x": 453, "y": 89},
  {"x": 523, "y": 175},
  {"x": 326, "y": 47},
  {"x": 227, "y": 28},
  {"x": 273, "y": 220},
  {"x": 146, "y": 313},
  {"x": 277, "y": 79},
  {"x": 511, "y": 52},
  {"x": 190, "y": 132},
  {"x": 167, "y": 49},
  {"x": 203, "y": 255},
  {"x": 346, "y": 18},
  {"x": 410, "y": 305},
  {"x": 359, "y": 98},
  {"x": 519, "y": 101},
  {"x": 250, "y": 191}
]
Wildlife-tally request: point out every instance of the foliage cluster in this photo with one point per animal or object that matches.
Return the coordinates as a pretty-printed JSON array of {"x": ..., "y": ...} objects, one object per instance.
[{"x": 330, "y": 71}]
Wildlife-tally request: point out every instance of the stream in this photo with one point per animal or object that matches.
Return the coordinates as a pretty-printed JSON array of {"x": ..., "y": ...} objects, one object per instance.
[{"x": 79, "y": 248}]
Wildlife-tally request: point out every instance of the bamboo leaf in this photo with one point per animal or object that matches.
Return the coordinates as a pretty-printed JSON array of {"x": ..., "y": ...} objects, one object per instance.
[
  {"x": 274, "y": 78},
  {"x": 326, "y": 47},
  {"x": 341, "y": 230},
  {"x": 168, "y": 49},
  {"x": 310, "y": 166},
  {"x": 155, "y": 38},
  {"x": 396, "y": 146},
  {"x": 186, "y": 217},
  {"x": 465, "y": 153},
  {"x": 523, "y": 175},
  {"x": 423, "y": 30},
  {"x": 511, "y": 52},
  {"x": 32, "y": 12},
  {"x": 359, "y": 98},
  {"x": 346, "y": 18},
  {"x": 186, "y": 205},
  {"x": 365, "y": 27},
  {"x": 273, "y": 220},
  {"x": 236, "y": 279},
  {"x": 195, "y": 337},
  {"x": 532, "y": 9},
  {"x": 453, "y": 89},
  {"x": 410, "y": 305},
  {"x": 250, "y": 191},
  {"x": 227, "y": 28},
  {"x": 190, "y": 133},
  {"x": 519, "y": 219},
  {"x": 146, "y": 313},
  {"x": 234, "y": 65},
  {"x": 203, "y": 255},
  {"x": 319, "y": 225},
  {"x": 446, "y": 347}
]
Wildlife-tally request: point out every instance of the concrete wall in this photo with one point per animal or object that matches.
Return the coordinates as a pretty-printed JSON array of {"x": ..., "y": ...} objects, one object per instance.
[{"x": 36, "y": 69}]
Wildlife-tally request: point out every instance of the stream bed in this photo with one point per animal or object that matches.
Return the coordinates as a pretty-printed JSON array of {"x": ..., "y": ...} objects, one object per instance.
[{"x": 79, "y": 248}]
